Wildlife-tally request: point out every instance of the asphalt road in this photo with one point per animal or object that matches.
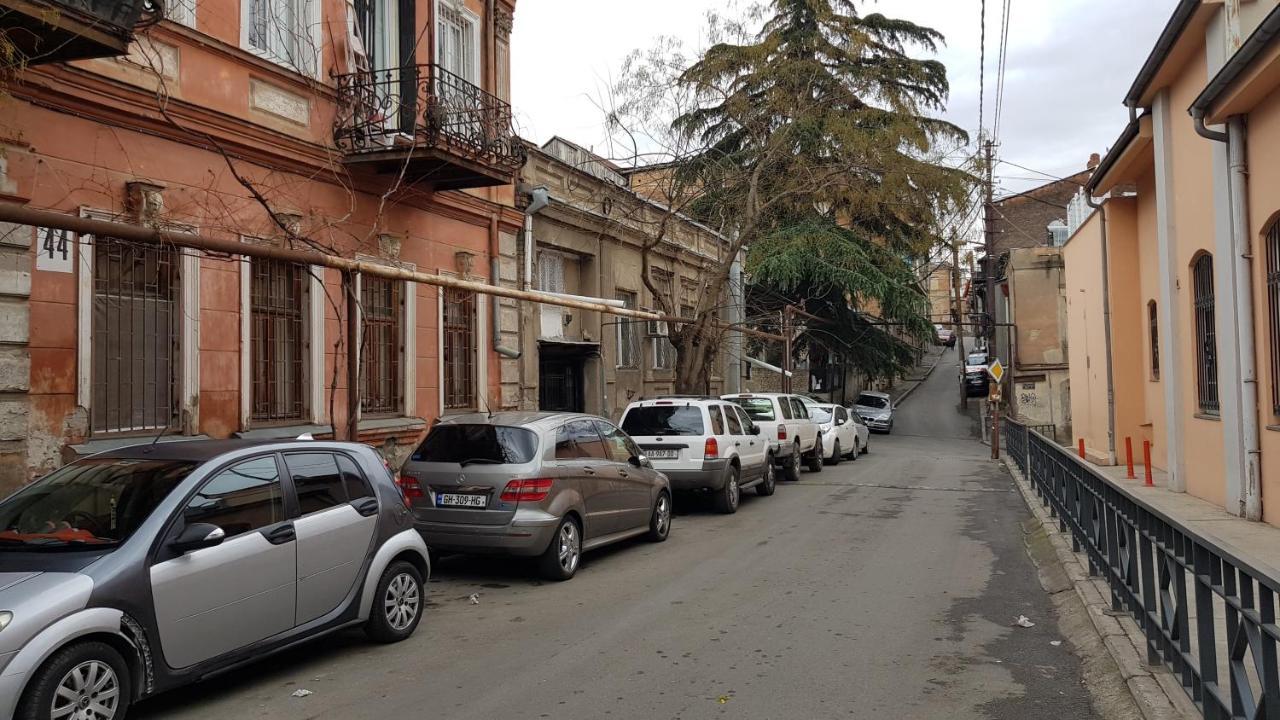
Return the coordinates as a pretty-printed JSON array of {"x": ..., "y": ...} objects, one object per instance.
[{"x": 881, "y": 588}]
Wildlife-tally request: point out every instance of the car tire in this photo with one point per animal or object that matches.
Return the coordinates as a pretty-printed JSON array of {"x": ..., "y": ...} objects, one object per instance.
[
  {"x": 866, "y": 448},
  {"x": 398, "y": 603},
  {"x": 815, "y": 459},
  {"x": 728, "y": 497},
  {"x": 563, "y": 555},
  {"x": 836, "y": 455},
  {"x": 791, "y": 472},
  {"x": 769, "y": 484},
  {"x": 98, "y": 658},
  {"x": 853, "y": 454},
  {"x": 660, "y": 520}
]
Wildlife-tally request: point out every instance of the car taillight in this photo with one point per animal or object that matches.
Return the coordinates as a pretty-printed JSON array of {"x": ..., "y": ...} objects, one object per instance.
[
  {"x": 782, "y": 432},
  {"x": 534, "y": 490},
  {"x": 410, "y": 489},
  {"x": 711, "y": 449}
]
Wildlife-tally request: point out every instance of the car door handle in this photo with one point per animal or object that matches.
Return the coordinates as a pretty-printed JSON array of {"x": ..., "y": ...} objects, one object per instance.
[
  {"x": 624, "y": 473},
  {"x": 367, "y": 507},
  {"x": 280, "y": 534},
  {"x": 589, "y": 470}
]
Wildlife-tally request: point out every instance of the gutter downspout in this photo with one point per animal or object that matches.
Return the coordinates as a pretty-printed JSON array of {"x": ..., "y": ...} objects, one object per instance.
[
  {"x": 1106, "y": 324},
  {"x": 495, "y": 308},
  {"x": 1242, "y": 268},
  {"x": 539, "y": 198}
]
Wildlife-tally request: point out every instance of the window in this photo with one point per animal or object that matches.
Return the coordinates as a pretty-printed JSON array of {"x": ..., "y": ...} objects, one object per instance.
[
  {"x": 620, "y": 447},
  {"x": 747, "y": 425},
  {"x": 735, "y": 425},
  {"x": 491, "y": 444},
  {"x": 628, "y": 335},
  {"x": 281, "y": 30},
  {"x": 457, "y": 45},
  {"x": 276, "y": 302},
  {"x": 661, "y": 420},
  {"x": 316, "y": 480},
  {"x": 459, "y": 349},
  {"x": 788, "y": 412},
  {"x": 551, "y": 272},
  {"x": 1153, "y": 336},
  {"x": 717, "y": 420},
  {"x": 135, "y": 325},
  {"x": 241, "y": 499},
  {"x": 382, "y": 345},
  {"x": 579, "y": 440},
  {"x": 357, "y": 486},
  {"x": 664, "y": 353},
  {"x": 1273, "y": 309},
  {"x": 799, "y": 409},
  {"x": 181, "y": 11},
  {"x": 1206, "y": 335}
]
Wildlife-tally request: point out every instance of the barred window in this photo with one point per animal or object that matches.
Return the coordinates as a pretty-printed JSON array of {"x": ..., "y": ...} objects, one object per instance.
[
  {"x": 1273, "y": 316},
  {"x": 1206, "y": 335},
  {"x": 382, "y": 345},
  {"x": 628, "y": 334},
  {"x": 459, "y": 349},
  {"x": 135, "y": 328},
  {"x": 276, "y": 302},
  {"x": 1153, "y": 333},
  {"x": 281, "y": 30}
]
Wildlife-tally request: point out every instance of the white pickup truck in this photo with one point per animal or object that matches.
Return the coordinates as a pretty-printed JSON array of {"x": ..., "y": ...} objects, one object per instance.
[{"x": 784, "y": 419}]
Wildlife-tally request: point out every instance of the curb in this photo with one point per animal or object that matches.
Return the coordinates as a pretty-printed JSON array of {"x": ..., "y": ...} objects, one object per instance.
[
  {"x": 928, "y": 371},
  {"x": 1157, "y": 694}
]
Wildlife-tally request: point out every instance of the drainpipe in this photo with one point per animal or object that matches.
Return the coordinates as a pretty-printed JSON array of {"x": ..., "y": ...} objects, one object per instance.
[
  {"x": 1106, "y": 325},
  {"x": 539, "y": 199},
  {"x": 495, "y": 308},
  {"x": 1242, "y": 268}
]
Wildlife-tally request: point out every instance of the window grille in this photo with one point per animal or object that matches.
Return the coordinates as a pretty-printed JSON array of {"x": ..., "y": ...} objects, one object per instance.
[
  {"x": 382, "y": 345},
  {"x": 1273, "y": 316},
  {"x": 551, "y": 272},
  {"x": 136, "y": 331},
  {"x": 628, "y": 334},
  {"x": 1206, "y": 335},
  {"x": 281, "y": 30},
  {"x": 1153, "y": 332},
  {"x": 456, "y": 34},
  {"x": 276, "y": 302},
  {"x": 459, "y": 349}
]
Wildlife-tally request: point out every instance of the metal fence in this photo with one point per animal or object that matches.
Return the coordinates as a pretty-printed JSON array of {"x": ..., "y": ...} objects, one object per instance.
[{"x": 1207, "y": 615}]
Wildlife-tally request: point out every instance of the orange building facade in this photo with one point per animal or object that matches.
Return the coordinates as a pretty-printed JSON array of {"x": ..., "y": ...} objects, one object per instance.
[
  {"x": 1186, "y": 352},
  {"x": 374, "y": 129}
]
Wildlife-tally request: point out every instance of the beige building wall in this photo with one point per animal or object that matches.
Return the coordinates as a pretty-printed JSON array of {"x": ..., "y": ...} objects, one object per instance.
[
  {"x": 1038, "y": 308},
  {"x": 1082, "y": 256}
]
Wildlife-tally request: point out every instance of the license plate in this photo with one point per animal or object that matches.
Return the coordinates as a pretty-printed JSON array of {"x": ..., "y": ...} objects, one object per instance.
[
  {"x": 466, "y": 501},
  {"x": 662, "y": 454}
]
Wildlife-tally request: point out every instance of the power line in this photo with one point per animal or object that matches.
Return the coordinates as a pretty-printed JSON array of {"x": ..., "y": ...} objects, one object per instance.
[
  {"x": 982, "y": 65},
  {"x": 1003, "y": 63}
]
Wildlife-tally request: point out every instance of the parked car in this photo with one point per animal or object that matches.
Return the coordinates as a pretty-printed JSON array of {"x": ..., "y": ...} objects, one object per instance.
[
  {"x": 946, "y": 336},
  {"x": 543, "y": 485},
  {"x": 784, "y": 420},
  {"x": 143, "y": 569},
  {"x": 876, "y": 410},
  {"x": 974, "y": 376},
  {"x": 705, "y": 445},
  {"x": 841, "y": 438}
]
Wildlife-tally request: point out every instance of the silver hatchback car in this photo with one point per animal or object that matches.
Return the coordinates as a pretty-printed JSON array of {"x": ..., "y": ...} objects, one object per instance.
[
  {"x": 146, "y": 568},
  {"x": 545, "y": 485}
]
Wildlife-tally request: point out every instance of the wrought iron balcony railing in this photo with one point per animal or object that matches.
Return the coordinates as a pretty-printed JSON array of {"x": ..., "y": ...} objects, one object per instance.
[
  {"x": 43, "y": 31},
  {"x": 437, "y": 125}
]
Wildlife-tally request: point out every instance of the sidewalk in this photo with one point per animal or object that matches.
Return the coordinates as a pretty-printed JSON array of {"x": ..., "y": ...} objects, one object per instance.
[{"x": 932, "y": 358}]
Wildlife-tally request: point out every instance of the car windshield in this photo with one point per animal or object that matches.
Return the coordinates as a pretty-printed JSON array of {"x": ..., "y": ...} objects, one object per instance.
[
  {"x": 663, "y": 420},
  {"x": 90, "y": 503},
  {"x": 977, "y": 359},
  {"x": 873, "y": 401},
  {"x": 820, "y": 415},
  {"x": 478, "y": 444},
  {"x": 759, "y": 409}
]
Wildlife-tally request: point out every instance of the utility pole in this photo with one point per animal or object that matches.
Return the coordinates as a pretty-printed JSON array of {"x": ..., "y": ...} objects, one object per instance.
[
  {"x": 989, "y": 296},
  {"x": 957, "y": 313},
  {"x": 786, "y": 349}
]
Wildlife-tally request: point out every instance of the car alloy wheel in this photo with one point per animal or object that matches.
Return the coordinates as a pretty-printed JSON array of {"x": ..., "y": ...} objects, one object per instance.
[
  {"x": 661, "y": 517},
  {"x": 401, "y": 602},
  {"x": 735, "y": 492},
  {"x": 89, "y": 691},
  {"x": 570, "y": 547},
  {"x": 769, "y": 483}
]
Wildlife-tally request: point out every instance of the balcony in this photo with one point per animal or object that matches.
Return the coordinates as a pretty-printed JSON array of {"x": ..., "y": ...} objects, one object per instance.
[
  {"x": 43, "y": 31},
  {"x": 428, "y": 124}
]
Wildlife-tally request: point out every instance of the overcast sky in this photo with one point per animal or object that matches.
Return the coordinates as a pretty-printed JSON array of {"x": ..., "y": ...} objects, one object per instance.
[{"x": 1069, "y": 65}]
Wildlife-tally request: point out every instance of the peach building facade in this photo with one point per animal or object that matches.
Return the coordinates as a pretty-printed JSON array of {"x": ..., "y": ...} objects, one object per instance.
[
  {"x": 378, "y": 129},
  {"x": 1173, "y": 290}
]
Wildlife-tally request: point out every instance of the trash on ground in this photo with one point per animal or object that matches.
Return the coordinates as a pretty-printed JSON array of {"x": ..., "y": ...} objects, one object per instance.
[
  {"x": 475, "y": 599},
  {"x": 723, "y": 699},
  {"x": 1055, "y": 643},
  {"x": 1024, "y": 621},
  {"x": 302, "y": 692}
]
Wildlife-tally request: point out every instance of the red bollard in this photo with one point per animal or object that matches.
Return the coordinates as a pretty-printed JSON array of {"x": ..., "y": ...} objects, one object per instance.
[
  {"x": 1146, "y": 459},
  {"x": 1080, "y": 445},
  {"x": 1128, "y": 456}
]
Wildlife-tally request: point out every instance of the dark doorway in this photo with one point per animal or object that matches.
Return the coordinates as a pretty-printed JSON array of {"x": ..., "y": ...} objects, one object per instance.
[{"x": 560, "y": 384}]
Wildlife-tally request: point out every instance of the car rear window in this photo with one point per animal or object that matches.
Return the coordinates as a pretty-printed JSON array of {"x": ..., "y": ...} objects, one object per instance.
[
  {"x": 872, "y": 401},
  {"x": 820, "y": 415},
  {"x": 663, "y": 420},
  {"x": 760, "y": 409},
  {"x": 492, "y": 444}
]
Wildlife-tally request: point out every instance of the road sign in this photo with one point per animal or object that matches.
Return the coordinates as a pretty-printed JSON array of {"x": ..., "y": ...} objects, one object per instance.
[{"x": 996, "y": 370}]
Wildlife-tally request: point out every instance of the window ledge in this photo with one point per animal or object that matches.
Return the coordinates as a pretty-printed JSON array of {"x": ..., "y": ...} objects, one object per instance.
[
  {"x": 90, "y": 447},
  {"x": 1273, "y": 428},
  {"x": 393, "y": 424},
  {"x": 284, "y": 432},
  {"x": 1205, "y": 416}
]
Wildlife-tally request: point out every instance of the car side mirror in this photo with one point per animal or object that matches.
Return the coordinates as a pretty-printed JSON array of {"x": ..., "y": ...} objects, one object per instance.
[
  {"x": 839, "y": 423},
  {"x": 755, "y": 429},
  {"x": 637, "y": 461},
  {"x": 198, "y": 536}
]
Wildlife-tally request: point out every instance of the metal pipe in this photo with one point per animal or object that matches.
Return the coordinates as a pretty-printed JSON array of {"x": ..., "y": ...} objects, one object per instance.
[
  {"x": 539, "y": 198},
  {"x": 753, "y": 362},
  {"x": 1203, "y": 131},
  {"x": 1242, "y": 259},
  {"x": 12, "y": 212},
  {"x": 1106, "y": 327},
  {"x": 495, "y": 278},
  {"x": 585, "y": 298}
]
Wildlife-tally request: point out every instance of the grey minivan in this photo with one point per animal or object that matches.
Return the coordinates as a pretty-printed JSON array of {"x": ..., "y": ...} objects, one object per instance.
[
  {"x": 534, "y": 484},
  {"x": 146, "y": 568}
]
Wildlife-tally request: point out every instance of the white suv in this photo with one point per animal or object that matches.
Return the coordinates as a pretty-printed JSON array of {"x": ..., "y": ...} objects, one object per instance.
[
  {"x": 703, "y": 444},
  {"x": 785, "y": 420}
]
